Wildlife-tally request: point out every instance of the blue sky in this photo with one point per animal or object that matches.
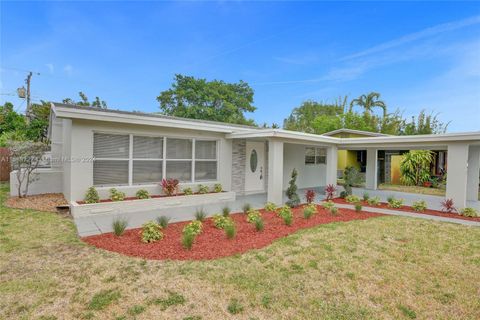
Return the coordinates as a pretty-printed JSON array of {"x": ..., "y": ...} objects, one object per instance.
[{"x": 417, "y": 55}]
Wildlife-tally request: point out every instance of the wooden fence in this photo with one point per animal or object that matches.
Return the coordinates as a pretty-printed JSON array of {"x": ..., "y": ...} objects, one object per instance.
[{"x": 4, "y": 164}]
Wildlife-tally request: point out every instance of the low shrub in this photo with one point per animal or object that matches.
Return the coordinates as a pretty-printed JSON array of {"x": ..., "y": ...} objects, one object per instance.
[
  {"x": 142, "y": 194},
  {"x": 169, "y": 186},
  {"x": 358, "y": 207},
  {"x": 226, "y": 211},
  {"x": 202, "y": 189},
  {"x": 200, "y": 215},
  {"x": 91, "y": 196},
  {"x": 163, "y": 221},
  {"x": 187, "y": 191},
  {"x": 116, "y": 195},
  {"x": 330, "y": 191},
  {"x": 230, "y": 230},
  {"x": 151, "y": 232},
  {"x": 352, "y": 198},
  {"x": 343, "y": 194},
  {"x": 220, "y": 221},
  {"x": 448, "y": 206},
  {"x": 310, "y": 195},
  {"x": 309, "y": 211},
  {"x": 194, "y": 227},
  {"x": 119, "y": 226},
  {"x": 188, "y": 237},
  {"x": 253, "y": 215},
  {"x": 375, "y": 201},
  {"x": 246, "y": 207},
  {"x": 328, "y": 205},
  {"x": 270, "y": 207},
  {"x": 286, "y": 214},
  {"x": 217, "y": 187},
  {"x": 366, "y": 196},
  {"x": 259, "y": 224},
  {"x": 394, "y": 203},
  {"x": 334, "y": 211},
  {"x": 419, "y": 206},
  {"x": 469, "y": 212}
]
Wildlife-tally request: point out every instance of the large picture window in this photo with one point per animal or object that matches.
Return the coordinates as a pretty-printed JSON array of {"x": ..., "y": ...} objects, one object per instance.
[
  {"x": 315, "y": 155},
  {"x": 131, "y": 159}
]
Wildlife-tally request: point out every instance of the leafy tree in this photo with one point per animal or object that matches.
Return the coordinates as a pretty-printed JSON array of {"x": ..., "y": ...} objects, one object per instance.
[
  {"x": 368, "y": 102},
  {"x": 292, "y": 195},
  {"x": 97, "y": 103},
  {"x": 209, "y": 100},
  {"x": 10, "y": 120},
  {"x": 38, "y": 125},
  {"x": 415, "y": 167},
  {"x": 425, "y": 124},
  {"x": 303, "y": 117}
]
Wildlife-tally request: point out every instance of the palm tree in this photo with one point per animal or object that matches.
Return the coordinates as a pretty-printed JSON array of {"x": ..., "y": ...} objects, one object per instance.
[{"x": 370, "y": 101}]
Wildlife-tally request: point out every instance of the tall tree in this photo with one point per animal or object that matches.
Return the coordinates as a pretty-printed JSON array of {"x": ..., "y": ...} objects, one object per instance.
[
  {"x": 425, "y": 124},
  {"x": 97, "y": 103},
  {"x": 370, "y": 101},
  {"x": 216, "y": 100}
]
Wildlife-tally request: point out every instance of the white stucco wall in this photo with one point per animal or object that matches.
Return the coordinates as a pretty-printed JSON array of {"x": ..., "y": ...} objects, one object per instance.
[
  {"x": 309, "y": 176},
  {"x": 81, "y": 168},
  {"x": 45, "y": 181}
]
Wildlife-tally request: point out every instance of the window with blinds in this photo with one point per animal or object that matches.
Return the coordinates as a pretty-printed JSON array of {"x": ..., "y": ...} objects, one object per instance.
[
  {"x": 149, "y": 159},
  {"x": 111, "y": 154}
]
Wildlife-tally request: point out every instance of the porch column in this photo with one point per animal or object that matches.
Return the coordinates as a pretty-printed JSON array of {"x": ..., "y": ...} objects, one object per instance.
[
  {"x": 371, "y": 175},
  {"x": 331, "y": 174},
  {"x": 275, "y": 172},
  {"x": 473, "y": 173},
  {"x": 457, "y": 160}
]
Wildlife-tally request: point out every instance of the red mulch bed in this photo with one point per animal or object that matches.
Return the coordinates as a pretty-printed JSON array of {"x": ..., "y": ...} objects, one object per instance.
[
  {"x": 409, "y": 209},
  {"x": 212, "y": 242}
]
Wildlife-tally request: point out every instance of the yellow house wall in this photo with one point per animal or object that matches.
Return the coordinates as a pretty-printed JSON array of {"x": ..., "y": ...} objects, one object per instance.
[
  {"x": 395, "y": 169},
  {"x": 347, "y": 158}
]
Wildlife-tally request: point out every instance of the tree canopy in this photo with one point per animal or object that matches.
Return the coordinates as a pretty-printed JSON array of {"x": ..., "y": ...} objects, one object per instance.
[
  {"x": 215, "y": 100},
  {"x": 97, "y": 103}
]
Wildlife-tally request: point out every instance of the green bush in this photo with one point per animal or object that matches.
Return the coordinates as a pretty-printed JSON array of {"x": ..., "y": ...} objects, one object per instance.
[
  {"x": 343, "y": 194},
  {"x": 259, "y": 224},
  {"x": 119, "y": 226},
  {"x": 286, "y": 214},
  {"x": 226, "y": 211},
  {"x": 334, "y": 211},
  {"x": 375, "y": 201},
  {"x": 469, "y": 212},
  {"x": 419, "y": 206},
  {"x": 188, "y": 237},
  {"x": 92, "y": 195},
  {"x": 194, "y": 227},
  {"x": 390, "y": 198},
  {"x": 270, "y": 207},
  {"x": 395, "y": 203},
  {"x": 366, "y": 196},
  {"x": 358, "y": 207},
  {"x": 230, "y": 230},
  {"x": 246, "y": 207},
  {"x": 217, "y": 187},
  {"x": 352, "y": 198},
  {"x": 116, "y": 195},
  {"x": 187, "y": 191},
  {"x": 293, "y": 198},
  {"x": 151, "y": 232},
  {"x": 328, "y": 205},
  {"x": 220, "y": 221},
  {"x": 142, "y": 194},
  {"x": 200, "y": 215},
  {"x": 163, "y": 221},
  {"x": 253, "y": 215},
  {"x": 202, "y": 189},
  {"x": 309, "y": 211}
]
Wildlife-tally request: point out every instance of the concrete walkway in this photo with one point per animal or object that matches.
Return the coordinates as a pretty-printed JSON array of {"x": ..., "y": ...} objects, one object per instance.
[{"x": 412, "y": 215}]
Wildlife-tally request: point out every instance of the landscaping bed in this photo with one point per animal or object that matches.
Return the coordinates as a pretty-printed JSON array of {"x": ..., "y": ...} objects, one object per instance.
[
  {"x": 409, "y": 209},
  {"x": 212, "y": 243},
  {"x": 40, "y": 202}
]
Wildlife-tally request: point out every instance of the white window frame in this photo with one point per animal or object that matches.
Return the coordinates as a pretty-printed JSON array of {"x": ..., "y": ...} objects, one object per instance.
[
  {"x": 115, "y": 159},
  {"x": 319, "y": 152},
  {"x": 163, "y": 159}
]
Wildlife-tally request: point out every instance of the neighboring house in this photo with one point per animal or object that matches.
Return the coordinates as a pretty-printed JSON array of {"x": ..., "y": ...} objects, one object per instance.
[
  {"x": 133, "y": 150},
  {"x": 388, "y": 160}
]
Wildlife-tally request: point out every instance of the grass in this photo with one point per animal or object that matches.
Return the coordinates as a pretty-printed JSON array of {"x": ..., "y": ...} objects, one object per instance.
[
  {"x": 414, "y": 189},
  {"x": 388, "y": 267}
]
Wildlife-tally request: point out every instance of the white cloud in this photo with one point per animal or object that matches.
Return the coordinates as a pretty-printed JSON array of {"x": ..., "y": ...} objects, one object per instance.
[{"x": 68, "y": 69}]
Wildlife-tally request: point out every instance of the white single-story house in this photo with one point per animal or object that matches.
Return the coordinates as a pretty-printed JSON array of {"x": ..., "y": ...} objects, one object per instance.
[{"x": 132, "y": 150}]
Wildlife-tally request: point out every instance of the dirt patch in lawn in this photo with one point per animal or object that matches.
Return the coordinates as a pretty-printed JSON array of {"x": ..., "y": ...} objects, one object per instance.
[
  {"x": 212, "y": 243},
  {"x": 409, "y": 209},
  {"x": 40, "y": 202}
]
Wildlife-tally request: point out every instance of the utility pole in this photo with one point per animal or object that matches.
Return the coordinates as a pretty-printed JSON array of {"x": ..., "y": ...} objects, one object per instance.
[{"x": 29, "y": 77}]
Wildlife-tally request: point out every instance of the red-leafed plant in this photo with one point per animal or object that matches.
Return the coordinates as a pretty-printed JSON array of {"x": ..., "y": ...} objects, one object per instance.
[
  {"x": 169, "y": 186},
  {"x": 330, "y": 191},
  {"x": 310, "y": 196},
  {"x": 447, "y": 206}
]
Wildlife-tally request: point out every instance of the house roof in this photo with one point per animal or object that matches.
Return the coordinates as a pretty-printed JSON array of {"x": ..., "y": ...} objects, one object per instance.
[{"x": 359, "y": 132}]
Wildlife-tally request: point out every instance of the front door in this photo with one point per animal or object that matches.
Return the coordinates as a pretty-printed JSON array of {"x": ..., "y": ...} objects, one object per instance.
[{"x": 255, "y": 167}]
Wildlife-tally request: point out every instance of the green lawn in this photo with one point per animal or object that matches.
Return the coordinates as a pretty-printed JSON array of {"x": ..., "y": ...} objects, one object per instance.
[{"x": 388, "y": 267}]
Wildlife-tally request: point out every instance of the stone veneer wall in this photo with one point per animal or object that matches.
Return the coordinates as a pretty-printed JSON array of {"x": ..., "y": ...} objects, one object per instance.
[{"x": 238, "y": 165}]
